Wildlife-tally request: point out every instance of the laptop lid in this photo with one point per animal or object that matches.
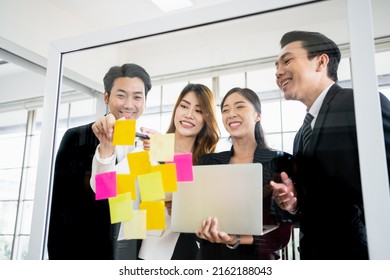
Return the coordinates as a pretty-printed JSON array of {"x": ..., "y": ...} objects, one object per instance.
[{"x": 231, "y": 192}]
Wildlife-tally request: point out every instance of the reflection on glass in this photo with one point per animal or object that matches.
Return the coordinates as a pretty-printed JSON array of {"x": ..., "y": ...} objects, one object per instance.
[
  {"x": 280, "y": 119},
  {"x": 208, "y": 82},
  {"x": 293, "y": 112},
  {"x": 229, "y": 81},
  {"x": 170, "y": 93},
  {"x": 274, "y": 141},
  {"x": 153, "y": 101},
  {"x": 23, "y": 247},
  {"x": 7, "y": 217},
  {"x": 30, "y": 184},
  {"x": 26, "y": 216},
  {"x": 288, "y": 141},
  {"x": 12, "y": 149},
  {"x": 270, "y": 116},
  {"x": 5, "y": 247},
  {"x": 261, "y": 80},
  {"x": 9, "y": 184}
]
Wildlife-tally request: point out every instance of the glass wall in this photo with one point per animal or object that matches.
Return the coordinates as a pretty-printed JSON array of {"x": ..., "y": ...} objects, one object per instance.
[{"x": 20, "y": 136}]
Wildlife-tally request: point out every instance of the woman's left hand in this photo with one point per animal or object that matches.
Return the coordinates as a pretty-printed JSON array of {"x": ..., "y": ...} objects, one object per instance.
[
  {"x": 146, "y": 142},
  {"x": 210, "y": 231}
]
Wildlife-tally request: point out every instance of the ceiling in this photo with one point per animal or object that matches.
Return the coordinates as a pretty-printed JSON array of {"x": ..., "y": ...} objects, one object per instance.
[{"x": 27, "y": 27}]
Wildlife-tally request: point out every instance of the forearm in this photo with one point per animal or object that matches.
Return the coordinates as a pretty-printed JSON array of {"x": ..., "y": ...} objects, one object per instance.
[{"x": 100, "y": 165}]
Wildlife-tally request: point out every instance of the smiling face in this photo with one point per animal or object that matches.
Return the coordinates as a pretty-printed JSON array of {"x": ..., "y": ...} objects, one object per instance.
[
  {"x": 127, "y": 98},
  {"x": 239, "y": 116},
  {"x": 188, "y": 118},
  {"x": 296, "y": 75}
]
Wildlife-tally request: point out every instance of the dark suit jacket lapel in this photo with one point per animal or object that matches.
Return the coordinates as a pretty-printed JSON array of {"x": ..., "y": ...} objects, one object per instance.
[{"x": 319, "y": 124}]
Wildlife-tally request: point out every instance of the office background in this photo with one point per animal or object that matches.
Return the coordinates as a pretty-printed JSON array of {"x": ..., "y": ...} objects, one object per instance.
[{"x": 221, "y": 56}]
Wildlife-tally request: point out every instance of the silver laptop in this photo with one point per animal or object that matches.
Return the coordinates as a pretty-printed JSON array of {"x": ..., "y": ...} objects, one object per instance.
[{"x": 231, "y": 192}]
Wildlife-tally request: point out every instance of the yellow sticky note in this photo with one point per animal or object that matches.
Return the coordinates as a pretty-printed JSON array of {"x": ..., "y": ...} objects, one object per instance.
[
  {"x": 135, "y": 228},
  {"x": 126, "y": 183},
  {"x": 168, "y": 174},
  {"x": 155, "y": 215},
  {"x": 162, "y": 147},
  {"x": 124, "y": 132},
  {"x": 121, "y": 208},
  {"x": 151, "y": 186},
  {"x": 139, "y": 163}
]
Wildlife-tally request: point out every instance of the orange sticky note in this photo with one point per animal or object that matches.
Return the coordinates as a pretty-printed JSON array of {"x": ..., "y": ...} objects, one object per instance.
[
  {"x": 126, "y": 183},
  {"x": 135, "y": 228},
  {"x": 162, "y": 147},
  {"x": 139, "y": 163},
  {"x": 124, "y": 132},
  {"x": 155, "y": 214},
  {"x": 121, "y": 208},
  {"x": 168, "y": 175},
  {"x": 151, "y": 186}
]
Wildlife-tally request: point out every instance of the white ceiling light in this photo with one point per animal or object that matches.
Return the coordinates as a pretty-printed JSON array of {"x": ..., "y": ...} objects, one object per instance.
[{"x": 171, "y": 5}]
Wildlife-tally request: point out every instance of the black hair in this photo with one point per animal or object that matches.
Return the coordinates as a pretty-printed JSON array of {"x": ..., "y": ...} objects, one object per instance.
[
  {"x": 129, "y": 70},
  {"x": 253, "y": 98},
  {"x": 316, "y": 44}
]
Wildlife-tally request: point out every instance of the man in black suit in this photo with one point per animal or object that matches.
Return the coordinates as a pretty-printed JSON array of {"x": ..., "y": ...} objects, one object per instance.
[
  {"x": 80, "y": 226},
  {"x": 327, "y": 197}
]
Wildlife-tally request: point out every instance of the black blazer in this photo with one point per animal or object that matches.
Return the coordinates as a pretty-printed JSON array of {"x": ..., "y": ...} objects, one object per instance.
[
  {"x": 80, "y": 226},
  {"x": 328, "y": 181}
]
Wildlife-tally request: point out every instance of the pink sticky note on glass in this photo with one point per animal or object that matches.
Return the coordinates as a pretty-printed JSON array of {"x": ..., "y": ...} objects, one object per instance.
[
  {"x": 105, "y": 185},
  {"x": 184, "y": 167}
]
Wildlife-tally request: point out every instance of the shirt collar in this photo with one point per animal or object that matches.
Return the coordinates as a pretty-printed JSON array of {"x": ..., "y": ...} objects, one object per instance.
[{"x": 315, "y": 108}]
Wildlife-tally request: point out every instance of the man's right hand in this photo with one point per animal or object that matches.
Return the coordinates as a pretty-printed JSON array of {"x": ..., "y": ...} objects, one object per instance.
[
  {"x": 285, "y": 193},
  {"x": 104, "y": 131}
]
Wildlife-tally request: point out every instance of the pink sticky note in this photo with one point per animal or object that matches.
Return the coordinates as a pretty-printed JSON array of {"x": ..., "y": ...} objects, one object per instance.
[
  {"x": 105, "y": 185},
  {"x": 184, "y": 167}
]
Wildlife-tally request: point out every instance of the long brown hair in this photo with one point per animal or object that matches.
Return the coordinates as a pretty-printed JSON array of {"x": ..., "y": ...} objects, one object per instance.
[{"x": 207, "y": 139}]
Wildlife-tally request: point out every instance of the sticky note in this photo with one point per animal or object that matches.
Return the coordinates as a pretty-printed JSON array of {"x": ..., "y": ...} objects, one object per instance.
[
  {"x": 168, "y": 174},
  {"x": 150, "y": 186},
  {"x": 135, "y": 228},
  {"x": 126, "y": 183},
  {"x": 184, "y": 172},
  {"x": 155, "y": 214},
  {"x": 162, "y": 147},
  {"x": 124, "y": 132},
  {"x": 139, "y": 162},
  {"x": 105, "y": 185},
  {"x": 121, "y": 208}
]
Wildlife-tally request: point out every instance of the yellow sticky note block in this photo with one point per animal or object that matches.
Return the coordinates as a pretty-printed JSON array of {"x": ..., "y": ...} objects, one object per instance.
[
  {"x": 139, "y": 163},
  {"x": 135, "y": 228},
  {"x": 151, "y": 186},
  {"x": 162, "y": 147},
  {"x": 121, "y": 208},
  {"x": 126, "y": 183},
  {"x": 155, "y": 215},
  {"x": 168, "y": 174},
  {"x": 124, "y": 132}
]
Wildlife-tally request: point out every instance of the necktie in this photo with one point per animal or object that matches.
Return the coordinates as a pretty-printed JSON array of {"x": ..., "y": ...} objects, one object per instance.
[{"x": 306, "y": 131}]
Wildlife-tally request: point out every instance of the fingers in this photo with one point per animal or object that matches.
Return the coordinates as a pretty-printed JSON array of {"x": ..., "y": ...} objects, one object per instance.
[
  {"x": 149, "y": 132},
  {"x": 284, "y": 193},
  {"x": 211, "y": 232},
  {"x": 104, "y": 127},
  {"x": 168, "y": 205}
]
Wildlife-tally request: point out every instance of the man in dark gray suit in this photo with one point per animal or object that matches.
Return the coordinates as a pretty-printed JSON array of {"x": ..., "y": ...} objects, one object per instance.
[
  {"x": 325, "y": 197},
  {"x": 80, "y": 226}
]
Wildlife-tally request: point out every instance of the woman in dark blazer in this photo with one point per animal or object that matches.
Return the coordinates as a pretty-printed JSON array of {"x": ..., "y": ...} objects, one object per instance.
[{"x": 241, "y": 113}]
